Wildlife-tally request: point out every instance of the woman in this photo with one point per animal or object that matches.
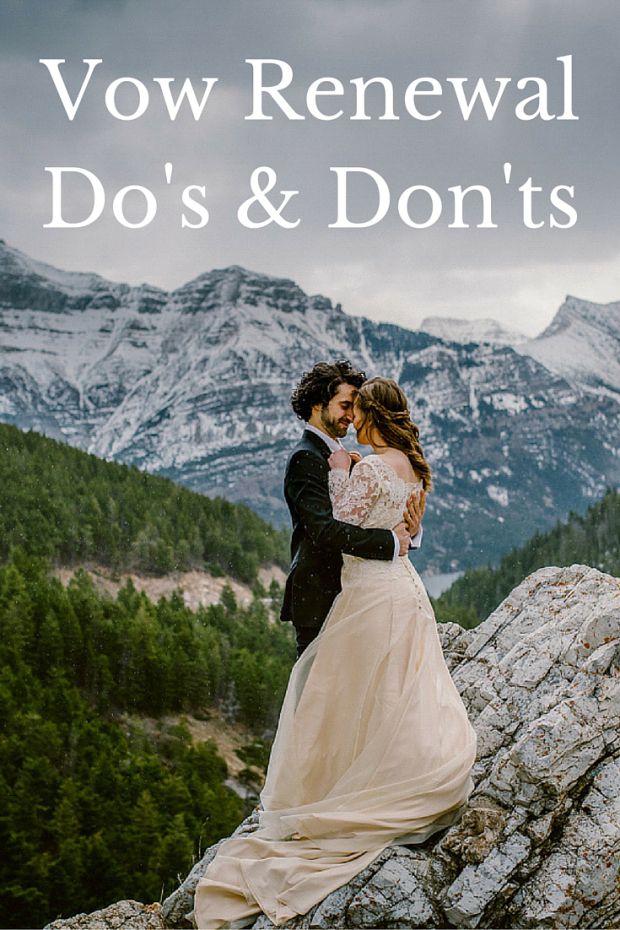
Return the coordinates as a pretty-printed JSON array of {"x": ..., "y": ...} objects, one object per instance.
[{"x": 373, "y": 745}]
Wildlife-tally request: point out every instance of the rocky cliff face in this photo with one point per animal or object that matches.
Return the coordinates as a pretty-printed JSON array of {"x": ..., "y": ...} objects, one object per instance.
[
  {"x": 194, "y": 384},
  {"x": 539, "y": 845}
]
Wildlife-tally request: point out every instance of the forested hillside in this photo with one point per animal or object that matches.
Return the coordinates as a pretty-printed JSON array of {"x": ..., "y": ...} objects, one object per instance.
[
  {"x": 92, "y": 811},
  {"x": 93, "y": 808},
  {"x": 592, "y": 539},
  {"x": 71, "y": 506}
]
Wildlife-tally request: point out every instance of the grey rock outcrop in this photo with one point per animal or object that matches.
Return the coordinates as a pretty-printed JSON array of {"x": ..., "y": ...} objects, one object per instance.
[
  {"x": 539, "y": 844},
  {"x": 124, "y": 915}
]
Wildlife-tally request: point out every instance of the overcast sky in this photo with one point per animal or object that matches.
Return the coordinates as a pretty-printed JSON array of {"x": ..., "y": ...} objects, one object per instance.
[{"x": 389, "y": 271}]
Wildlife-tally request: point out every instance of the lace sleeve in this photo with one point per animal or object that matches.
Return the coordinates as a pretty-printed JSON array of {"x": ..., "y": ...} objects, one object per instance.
[{"x": 353, "y": 495}]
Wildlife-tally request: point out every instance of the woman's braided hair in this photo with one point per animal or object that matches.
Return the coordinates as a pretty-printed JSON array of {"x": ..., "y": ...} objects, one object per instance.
[{"x": 384, "y": 406}]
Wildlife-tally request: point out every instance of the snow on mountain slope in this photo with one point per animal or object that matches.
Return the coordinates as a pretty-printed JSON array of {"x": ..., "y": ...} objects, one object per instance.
[
  {"x": 195, "y": 384},
  {"x": 453, "y": 330},
  {"x": 582, "y": 344}
]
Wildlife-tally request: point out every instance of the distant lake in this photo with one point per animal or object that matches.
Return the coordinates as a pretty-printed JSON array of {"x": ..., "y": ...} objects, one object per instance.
[{"x": 437, "y": 584}]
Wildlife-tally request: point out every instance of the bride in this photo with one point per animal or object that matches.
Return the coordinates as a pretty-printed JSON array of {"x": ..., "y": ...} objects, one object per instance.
[{"x": 373, "y": 746}]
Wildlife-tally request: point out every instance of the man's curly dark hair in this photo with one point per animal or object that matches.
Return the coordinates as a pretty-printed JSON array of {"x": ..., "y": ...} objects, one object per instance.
[{"x": 319, "y": 385}]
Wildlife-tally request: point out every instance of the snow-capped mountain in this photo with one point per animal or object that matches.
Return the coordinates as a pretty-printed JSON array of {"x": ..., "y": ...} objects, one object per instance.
[
  {"x": 581, "y": 345},
  {"x": 195, "y": 384},
  {"x": 451, "y": 329}
]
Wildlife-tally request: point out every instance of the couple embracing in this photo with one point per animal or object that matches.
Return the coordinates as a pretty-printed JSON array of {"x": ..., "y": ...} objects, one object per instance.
[{"x": 373, "y": 746}]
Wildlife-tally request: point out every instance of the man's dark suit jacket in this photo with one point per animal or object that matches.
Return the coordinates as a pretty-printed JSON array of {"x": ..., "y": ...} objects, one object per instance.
[{"x": 318, "y": 539}]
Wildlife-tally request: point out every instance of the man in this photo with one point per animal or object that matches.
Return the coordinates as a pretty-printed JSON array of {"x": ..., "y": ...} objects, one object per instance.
[{"x": 324, "y": 400}]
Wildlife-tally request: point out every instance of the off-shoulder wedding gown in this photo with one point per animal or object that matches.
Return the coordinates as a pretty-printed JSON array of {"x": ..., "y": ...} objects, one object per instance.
[{"x": 373, "y": 746}]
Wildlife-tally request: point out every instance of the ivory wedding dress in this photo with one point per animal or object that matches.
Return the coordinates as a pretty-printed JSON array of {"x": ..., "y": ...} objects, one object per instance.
[{"x": 373, "y": 746}]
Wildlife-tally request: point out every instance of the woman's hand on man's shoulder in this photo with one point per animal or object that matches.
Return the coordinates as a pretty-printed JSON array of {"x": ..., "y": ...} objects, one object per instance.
[{"x": 341, "y": 459}]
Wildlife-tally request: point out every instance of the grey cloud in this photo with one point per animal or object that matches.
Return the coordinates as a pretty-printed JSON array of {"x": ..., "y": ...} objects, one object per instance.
[{"x": 386, "y": 271}]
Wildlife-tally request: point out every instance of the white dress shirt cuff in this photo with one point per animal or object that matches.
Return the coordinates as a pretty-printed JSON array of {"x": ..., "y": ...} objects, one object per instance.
[
  {"x": 396, "y": 547},
  {"x": 416, "y": 541}
]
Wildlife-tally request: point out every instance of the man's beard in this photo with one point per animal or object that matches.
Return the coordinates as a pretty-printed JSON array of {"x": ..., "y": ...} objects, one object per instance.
[{"x": 335, "y": 428}]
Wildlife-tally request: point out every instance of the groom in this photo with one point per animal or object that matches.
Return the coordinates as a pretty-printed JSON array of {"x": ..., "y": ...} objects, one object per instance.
[{"x": 324, "y": 400}]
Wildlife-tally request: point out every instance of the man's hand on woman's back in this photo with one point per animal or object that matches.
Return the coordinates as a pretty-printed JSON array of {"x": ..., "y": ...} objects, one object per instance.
[
  {"x": 414, "y": 511},
  {"x": 404, "y": 538}
]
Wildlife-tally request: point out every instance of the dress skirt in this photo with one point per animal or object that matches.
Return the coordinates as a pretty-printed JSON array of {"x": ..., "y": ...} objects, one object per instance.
[{"x": 373, "y": 748}]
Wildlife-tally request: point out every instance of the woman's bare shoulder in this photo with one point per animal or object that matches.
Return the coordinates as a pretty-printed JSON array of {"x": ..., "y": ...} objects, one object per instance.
[{"x": 400, "y": 463}]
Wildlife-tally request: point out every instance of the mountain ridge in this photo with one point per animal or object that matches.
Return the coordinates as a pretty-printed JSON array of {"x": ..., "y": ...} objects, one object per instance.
[
  {"x": 148, "y": 378},
  {"x": 581, "y": 345},
  {"x": 475, "y": 330}
]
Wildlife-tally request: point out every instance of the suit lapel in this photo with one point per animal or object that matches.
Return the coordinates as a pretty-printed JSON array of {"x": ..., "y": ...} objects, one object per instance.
[{"x": 317, "y": 442}]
